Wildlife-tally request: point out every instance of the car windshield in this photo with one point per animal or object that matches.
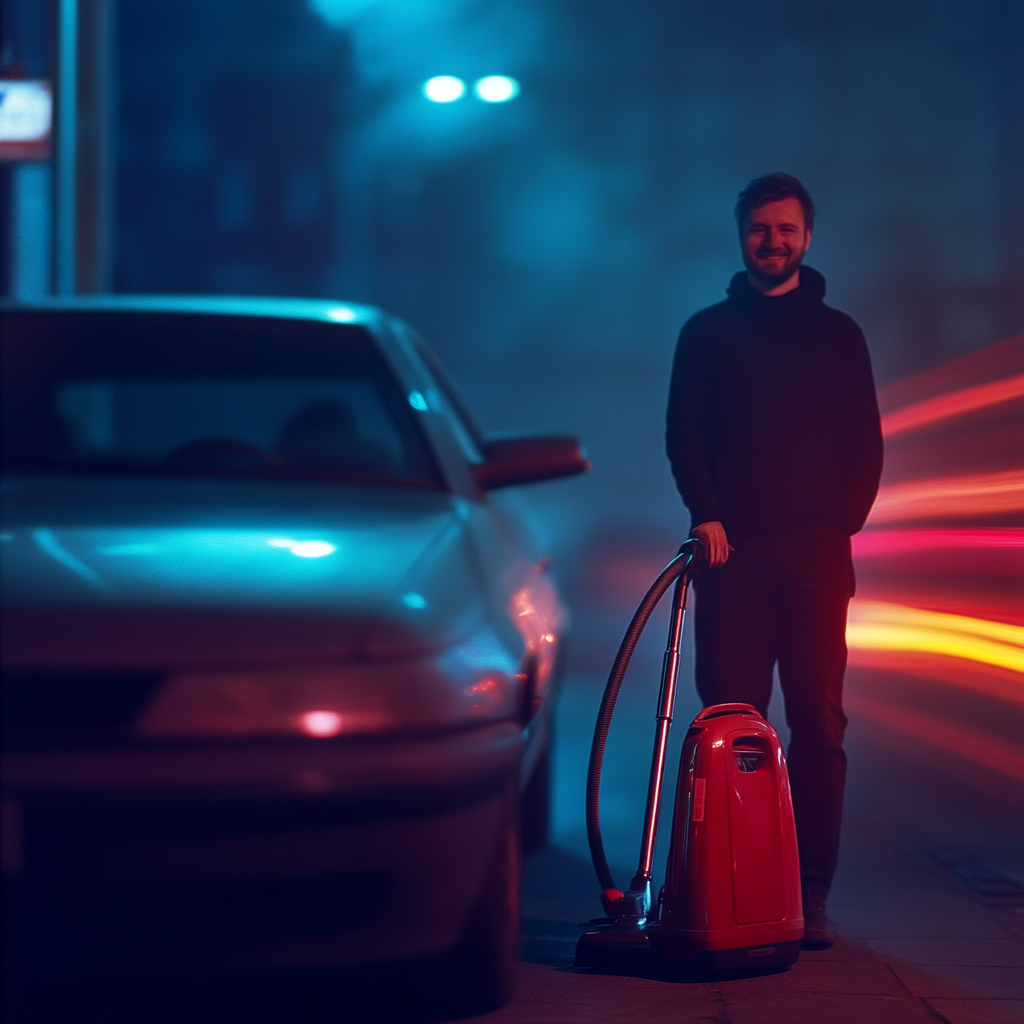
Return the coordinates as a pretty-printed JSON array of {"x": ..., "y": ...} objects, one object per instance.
[{"x": 205, "y": 395}]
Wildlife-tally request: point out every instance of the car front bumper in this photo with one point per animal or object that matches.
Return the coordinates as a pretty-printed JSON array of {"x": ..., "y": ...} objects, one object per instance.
[{"x": 263, "y": 854}]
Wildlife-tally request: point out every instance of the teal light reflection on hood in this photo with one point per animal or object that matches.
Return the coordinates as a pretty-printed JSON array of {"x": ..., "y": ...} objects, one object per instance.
[{"x": 329, "y": 569}]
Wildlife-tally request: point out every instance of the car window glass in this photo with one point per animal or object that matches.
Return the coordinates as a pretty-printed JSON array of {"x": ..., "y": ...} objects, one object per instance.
[
  {"x": 467, "y": 434},
  {"x": 208, "y": 395},
  {"x": 144, "y": 419}
]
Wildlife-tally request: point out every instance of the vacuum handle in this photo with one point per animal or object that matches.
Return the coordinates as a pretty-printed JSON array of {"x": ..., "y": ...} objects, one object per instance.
[
  {"x": 685, "y": 564},
  {"x": 666, "y": 709}
]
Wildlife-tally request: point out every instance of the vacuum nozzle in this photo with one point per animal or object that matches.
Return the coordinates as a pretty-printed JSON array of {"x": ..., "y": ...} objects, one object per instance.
[
  {"x": 634, "y": 903},
  {"x": 611, "y": 900}
]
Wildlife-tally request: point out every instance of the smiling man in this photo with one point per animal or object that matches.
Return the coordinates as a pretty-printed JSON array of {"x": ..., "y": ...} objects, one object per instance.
[{"x": 776, "y": 447}]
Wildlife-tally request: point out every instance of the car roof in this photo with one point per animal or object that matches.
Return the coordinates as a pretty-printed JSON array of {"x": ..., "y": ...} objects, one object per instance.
[{"x": 324, "y": 310}]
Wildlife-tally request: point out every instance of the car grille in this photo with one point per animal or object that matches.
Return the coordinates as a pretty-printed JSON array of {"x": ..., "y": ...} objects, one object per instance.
[{"x": 67, "y": 710}]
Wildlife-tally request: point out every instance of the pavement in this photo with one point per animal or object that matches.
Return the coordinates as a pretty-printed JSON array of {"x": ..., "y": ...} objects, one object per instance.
[{"x": 928, "y": 901}]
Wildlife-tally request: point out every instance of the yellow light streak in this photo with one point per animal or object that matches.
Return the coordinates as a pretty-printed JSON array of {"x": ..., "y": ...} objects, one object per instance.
[{"x": 879, "y": 625}]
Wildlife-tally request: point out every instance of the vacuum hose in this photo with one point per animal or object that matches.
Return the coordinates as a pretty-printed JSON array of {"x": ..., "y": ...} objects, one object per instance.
[{"x": 682, "y": 563}]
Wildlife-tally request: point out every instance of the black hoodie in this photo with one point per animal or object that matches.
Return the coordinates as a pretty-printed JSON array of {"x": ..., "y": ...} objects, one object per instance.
[{"x": 772, "y": 416}]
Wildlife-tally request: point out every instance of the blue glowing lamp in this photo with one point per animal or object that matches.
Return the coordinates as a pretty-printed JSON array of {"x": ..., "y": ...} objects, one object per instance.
[
  {"x": 497, "y": 89},
  {"x": 444, "y": 89}
]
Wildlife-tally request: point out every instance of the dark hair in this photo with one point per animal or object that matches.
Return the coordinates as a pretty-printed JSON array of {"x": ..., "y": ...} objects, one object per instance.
[{"x": 770, "y": 188}]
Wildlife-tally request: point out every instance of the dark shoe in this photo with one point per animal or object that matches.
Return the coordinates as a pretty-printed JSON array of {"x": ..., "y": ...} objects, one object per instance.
[{"x": 818, "y": 932}]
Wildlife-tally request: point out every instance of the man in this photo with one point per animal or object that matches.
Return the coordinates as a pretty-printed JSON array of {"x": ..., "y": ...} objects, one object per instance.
[{"x": 776, "y": 446}]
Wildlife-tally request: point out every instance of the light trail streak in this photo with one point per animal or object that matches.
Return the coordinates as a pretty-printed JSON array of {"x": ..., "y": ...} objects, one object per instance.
[
  {"x": 983, "y": 748},
  {"x": 971, "y": 676},
  {"x": 961, "y": 565},
  {"x": 887, "y": 542},
  {"x": 949, "y": 497},
  {"x": 879, "y": 625},
  {"x": 951, "y": 404}
]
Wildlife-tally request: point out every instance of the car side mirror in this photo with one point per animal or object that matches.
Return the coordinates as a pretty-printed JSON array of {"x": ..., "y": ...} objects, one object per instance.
[{"x": 526, "y": 460}]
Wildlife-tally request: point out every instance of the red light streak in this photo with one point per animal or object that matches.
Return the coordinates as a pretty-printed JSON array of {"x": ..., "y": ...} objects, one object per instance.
[
  {"x": 974, "y": 677},
  {"x": 943, "y": 604},
  {"x": 950, "y": 497},
  {"x": 954, "y": 403},
  {"x": 955, "y": 598},
  {"x": 875, "y": 543},
  {"x": 983, "y": 748}
]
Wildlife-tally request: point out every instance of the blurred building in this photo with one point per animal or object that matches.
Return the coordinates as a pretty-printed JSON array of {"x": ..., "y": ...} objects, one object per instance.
[{"x": 551, "y": 246}]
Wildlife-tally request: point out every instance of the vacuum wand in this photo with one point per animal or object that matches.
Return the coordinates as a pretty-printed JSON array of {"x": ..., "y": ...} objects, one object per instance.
[
  {"x": 666, "y": 707},
  {"x": 636, "y": 903}
]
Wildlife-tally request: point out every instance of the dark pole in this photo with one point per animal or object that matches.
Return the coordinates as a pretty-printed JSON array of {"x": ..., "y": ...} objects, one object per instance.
[
  {"x": 64, "y": 150},
  {"x": 95, "y": 156}
]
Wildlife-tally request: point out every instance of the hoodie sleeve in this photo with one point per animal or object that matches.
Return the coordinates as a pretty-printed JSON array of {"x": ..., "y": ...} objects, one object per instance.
[
  {"x": 861, "y": 439},
  {"x": 687, "y": 428}
]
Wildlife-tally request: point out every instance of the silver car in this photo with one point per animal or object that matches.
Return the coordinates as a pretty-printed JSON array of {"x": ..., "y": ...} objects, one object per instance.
[{"x": 278, "y": 648}]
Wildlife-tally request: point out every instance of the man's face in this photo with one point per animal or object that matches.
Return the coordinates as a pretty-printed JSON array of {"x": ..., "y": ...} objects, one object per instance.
[{"x": 775, "y": 240}]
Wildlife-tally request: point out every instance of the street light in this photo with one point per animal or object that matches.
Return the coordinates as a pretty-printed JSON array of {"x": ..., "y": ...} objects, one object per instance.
[
  {"x": 496, "y": 89},
  {"x": 444, "y": 89}
]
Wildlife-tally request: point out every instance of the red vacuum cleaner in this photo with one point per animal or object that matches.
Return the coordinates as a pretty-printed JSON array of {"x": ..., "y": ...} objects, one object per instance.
[{"x": 731, "y": 903}]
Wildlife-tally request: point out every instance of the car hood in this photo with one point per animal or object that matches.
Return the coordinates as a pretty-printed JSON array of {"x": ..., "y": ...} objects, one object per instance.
[{"x": 103, "y": 571}]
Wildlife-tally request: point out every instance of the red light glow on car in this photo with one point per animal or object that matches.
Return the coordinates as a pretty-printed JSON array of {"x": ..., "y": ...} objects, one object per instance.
[
  {"x": 536, "y": 614},
  {"x": 321, "y": 723}
]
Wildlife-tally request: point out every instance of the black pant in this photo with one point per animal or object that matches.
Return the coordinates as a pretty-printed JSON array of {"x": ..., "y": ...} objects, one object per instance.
[{"x": 783, "y": 598}]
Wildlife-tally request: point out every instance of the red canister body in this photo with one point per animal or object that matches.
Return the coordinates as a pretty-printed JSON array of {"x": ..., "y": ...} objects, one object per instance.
[{"x": 732, "y": 899}]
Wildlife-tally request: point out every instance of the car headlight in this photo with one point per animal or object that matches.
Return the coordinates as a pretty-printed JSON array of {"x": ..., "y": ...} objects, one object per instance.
[{"x": 473, "y": 682}]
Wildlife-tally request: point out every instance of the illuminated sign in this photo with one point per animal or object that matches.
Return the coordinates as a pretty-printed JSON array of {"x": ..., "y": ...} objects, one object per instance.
[{"x": 26, "y": 118}]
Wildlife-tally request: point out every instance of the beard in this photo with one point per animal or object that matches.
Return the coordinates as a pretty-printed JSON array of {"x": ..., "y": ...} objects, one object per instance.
[{"x": 776, "y": 272}]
